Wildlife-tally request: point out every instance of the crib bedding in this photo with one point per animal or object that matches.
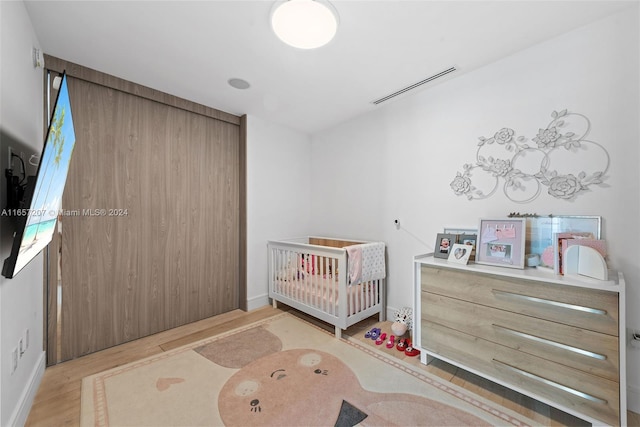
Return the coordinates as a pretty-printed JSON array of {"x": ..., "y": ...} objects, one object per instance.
[{"x": 323, "y": 293}]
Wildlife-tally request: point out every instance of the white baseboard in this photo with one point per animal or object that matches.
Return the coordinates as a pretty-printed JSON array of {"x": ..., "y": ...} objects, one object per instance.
[
  {"x": 633, "y": 399},
  {"x": 257, "y": 302},
  {"x": 19, "y": 416},
  {"x": 391, "y": 313}
]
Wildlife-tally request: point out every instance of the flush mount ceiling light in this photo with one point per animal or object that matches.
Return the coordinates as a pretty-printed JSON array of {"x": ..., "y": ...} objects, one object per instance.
[
  {"x": 238, "y": 83},
  {"x": 305, "y": 24}
]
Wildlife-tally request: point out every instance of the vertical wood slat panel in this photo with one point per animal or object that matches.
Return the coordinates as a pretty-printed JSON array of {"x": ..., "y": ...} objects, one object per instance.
[
  {"x": 242, "y": 217},
  {"x": 51, "y": 270},
  {"x": 173, "y": 258}
]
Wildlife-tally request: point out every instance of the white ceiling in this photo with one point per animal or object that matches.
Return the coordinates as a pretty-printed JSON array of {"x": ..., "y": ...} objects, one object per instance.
[{"x": 192, "y": 48}]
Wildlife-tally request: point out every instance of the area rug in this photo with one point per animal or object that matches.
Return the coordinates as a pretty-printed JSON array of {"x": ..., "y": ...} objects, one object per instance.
[{"x": 281, "y": 371}]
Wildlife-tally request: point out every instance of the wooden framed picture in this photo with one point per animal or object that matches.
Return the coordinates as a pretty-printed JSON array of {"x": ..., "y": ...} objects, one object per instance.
[
  {"x": 460, "y": 253},
  {"x": 501, "y": 242},
  {"x": 469, "y": 240},
  {"x": 466, "y": 235},
  {"x": 443, "y": 245}
]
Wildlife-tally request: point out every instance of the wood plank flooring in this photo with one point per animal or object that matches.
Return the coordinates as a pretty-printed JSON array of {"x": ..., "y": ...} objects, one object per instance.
[{"x": 57, "y": 402}]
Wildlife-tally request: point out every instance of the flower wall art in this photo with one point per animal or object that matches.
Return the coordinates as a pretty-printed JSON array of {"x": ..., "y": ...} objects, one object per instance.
[{"x": 559, "y": 159}]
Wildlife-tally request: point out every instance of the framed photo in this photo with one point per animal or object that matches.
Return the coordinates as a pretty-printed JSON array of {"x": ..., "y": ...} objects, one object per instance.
[
  {"x": 541, "y": 231},
  {"x": 460, "y": 253},
  {"x": 469, "y": 240},
  {"x": 466, "y": 235},
  {"x": 443, "y": 245},
  {"x": 460, "y": 230},
  {"x": 501, "y": 242}
]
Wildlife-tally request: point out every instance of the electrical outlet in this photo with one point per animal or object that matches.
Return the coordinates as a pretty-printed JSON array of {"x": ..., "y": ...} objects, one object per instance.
[
  {"x": 21, "y": 346},
  {"x": 26, "y": 339},
  {"x": 14, "y": 360}
]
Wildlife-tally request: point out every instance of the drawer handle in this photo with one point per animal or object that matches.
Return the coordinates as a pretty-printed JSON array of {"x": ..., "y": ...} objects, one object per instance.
[
  {"x": 552, "y": 343},
  {"x": 549, "y": 302},
  {"x": 552, "y": 383}
]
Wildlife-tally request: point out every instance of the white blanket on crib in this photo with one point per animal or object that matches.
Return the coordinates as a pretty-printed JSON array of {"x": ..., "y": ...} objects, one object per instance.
[{"x": 366, "y": 262}]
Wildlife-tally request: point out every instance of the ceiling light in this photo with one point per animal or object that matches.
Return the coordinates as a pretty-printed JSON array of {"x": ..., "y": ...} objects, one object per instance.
[
  {"x": 305, "y": 24},
  {"x": 238, "y": 83}
]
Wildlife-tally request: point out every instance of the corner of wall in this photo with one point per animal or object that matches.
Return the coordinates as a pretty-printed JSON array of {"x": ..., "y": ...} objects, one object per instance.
[{"x": 21, "y": 412}]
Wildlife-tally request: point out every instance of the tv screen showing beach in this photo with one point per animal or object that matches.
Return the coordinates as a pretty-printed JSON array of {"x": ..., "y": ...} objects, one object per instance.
[{"x": 49, "y": 184}]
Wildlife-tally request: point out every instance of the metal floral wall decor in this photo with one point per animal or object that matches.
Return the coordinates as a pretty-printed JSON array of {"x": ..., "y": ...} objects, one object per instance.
[{"x": 559, "y": 158}]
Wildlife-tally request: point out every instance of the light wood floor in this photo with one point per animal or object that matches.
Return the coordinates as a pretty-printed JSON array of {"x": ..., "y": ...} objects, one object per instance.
[{"x": 57, "y": 402}]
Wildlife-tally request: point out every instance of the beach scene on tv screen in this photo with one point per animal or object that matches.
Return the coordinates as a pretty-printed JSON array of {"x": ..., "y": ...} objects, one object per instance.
[{"x": 49, "y": 186}]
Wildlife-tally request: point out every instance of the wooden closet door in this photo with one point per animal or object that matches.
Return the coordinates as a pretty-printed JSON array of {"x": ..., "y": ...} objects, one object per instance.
[{"x": 150, "y": 235}]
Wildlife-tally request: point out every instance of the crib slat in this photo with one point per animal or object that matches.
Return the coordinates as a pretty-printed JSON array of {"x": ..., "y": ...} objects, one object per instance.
[
  {"x": 279, "y": 285},
  {"x": 351, "y": 296},
  {"x": 331, "y": 284},
  {"x": 302, "y": 295},
  {"x": 308, "y": 290},
  {"x": 376, "y": 290},
  {"x": 314, "y": 279},
  {"x": 316, "y": 267},
  {"x": 311, "y": 279},
  {"x": 319, "y": 271}
]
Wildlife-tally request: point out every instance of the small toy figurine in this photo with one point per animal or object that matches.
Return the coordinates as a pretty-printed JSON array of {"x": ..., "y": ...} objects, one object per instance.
[{"x": 403, "y": 321}]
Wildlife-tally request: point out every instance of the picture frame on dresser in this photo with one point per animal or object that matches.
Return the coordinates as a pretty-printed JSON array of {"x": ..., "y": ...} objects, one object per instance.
[
  {"x": 501, "y": 242},
  {"x": 541, "y": 230},
  {"x": 444, "y": 243},
  {"x": 460, "y": 253},
  {"x": 465, "y": 235},
  {"x": 469, "y": 240}
]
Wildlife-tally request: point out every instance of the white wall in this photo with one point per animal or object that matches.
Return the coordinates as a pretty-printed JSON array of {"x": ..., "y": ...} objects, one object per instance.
[
  {"x": 21, "y": 299},
  {"x": 278, "y": 196},
  {"x": 398, "y": 161}
]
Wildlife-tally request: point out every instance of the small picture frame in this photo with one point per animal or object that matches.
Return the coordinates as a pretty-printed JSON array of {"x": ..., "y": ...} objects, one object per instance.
[
  {"x": 444, "y": 243},
  {"x": 469, "y": 240},
  {"x": 501, "y": 242},
  {"x": 460, "y": 253}
]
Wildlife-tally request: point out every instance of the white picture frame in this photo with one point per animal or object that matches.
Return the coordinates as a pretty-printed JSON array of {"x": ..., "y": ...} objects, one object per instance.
[
  {"x": 460, "y": 253},
  {"x": 501, "y": 242}
]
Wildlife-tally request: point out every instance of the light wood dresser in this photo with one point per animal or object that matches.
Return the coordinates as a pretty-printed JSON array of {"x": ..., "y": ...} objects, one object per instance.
[{"x": 558, "y": 339}]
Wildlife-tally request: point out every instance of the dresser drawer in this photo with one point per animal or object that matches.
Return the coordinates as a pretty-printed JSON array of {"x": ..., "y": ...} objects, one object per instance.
[
  {"x": 582, "y": 392},
  {"x": 591, "y": 309},
  {"x": 588, "y": 351}
]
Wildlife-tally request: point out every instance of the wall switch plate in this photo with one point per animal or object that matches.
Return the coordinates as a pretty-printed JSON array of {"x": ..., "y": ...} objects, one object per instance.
[{"x": 38, "y": 58}]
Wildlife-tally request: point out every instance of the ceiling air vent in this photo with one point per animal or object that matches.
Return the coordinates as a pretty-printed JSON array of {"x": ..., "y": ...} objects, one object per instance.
[{"x": 415, "y": 85}]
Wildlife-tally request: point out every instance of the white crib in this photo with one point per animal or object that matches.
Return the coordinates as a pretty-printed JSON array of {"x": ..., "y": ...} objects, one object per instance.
[{"x": 311, "y": 275}]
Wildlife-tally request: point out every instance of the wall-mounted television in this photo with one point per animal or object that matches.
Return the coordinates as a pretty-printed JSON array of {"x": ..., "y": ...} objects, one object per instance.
[{"x": 36, "y": 223}]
